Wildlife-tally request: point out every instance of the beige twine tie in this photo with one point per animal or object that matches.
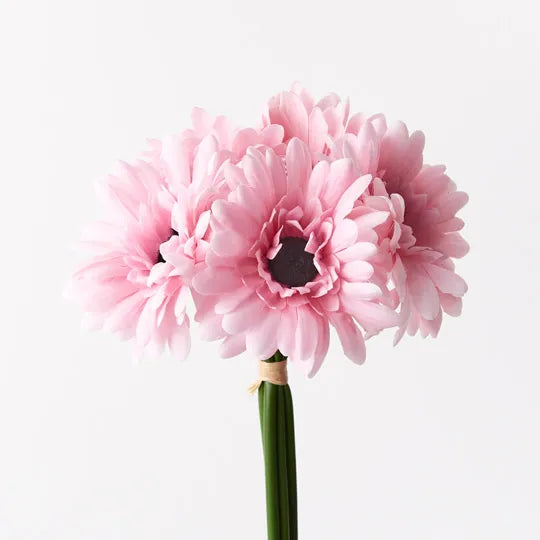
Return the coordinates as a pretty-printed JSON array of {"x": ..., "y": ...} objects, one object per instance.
[{"x": 272, "y": 372}]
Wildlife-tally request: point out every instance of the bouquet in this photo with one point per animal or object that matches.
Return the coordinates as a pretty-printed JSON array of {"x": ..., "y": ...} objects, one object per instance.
[{"x": 313, "y": 218}]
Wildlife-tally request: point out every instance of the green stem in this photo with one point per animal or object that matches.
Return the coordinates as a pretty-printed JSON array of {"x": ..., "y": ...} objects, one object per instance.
[
  {"x": 261, "y": 408},
  {"x": 277, "y": 427},
  {"x": 282, "y": 466},
  {"x": 291, "y": 463},
  {"x": 270, "y": 414}
]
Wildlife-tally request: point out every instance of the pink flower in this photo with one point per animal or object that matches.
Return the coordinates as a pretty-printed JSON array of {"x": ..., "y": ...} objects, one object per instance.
[
  {"x": 192, "y": 164},
  {"x": 421, "y": 234},
  {"x": 156, "y": 232},
  {"x": 317, "y": 124},
  {"x": 288, "y": 256},
  {"x": 126, "y": 286},
  {"x": 314, "y": 219}
]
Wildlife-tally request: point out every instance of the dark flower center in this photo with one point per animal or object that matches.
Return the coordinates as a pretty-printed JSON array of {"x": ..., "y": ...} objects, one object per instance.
[
  {"x": 293, "y": 265},
  {"x": 160, "y": 256}
]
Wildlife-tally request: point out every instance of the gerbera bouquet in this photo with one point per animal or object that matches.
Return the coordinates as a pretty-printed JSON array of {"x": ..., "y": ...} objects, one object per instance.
[{"x": 310, "y": 220}]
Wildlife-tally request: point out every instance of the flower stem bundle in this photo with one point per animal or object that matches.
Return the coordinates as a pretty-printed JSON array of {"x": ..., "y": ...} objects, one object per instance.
[{"x": 277, "y": 427}]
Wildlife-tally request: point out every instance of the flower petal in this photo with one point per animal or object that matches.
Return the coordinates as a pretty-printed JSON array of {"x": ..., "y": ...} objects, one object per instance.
[
  {"x": 424, "y": 295},
  {"x": 350, "y": 336},
  {"x": 360, "y": 290},
  {"x": 217, "y": 281},
  {"x": 446, "y": 281},
  {"x": 246, "y": 316},
  {"x": 357, "y": 271},
  {"x": 344, "y": 235}
]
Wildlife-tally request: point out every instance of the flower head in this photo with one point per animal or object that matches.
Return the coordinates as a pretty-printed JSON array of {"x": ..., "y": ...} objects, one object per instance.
[
  {"x": 421, "y": 235},
  {"x": 314, "y": 219},
  {"x": 317, "y": 124},
  {"x": 126, "y": 286},
  {"x": 155, "y": 233},
  {"x": 288, "y": 255},
  {"x": 192, "y": 164}
]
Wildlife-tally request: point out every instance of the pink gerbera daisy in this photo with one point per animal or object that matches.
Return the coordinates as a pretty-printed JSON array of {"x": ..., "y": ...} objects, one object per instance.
[
  {"x": 127, "y": 286},
  {"x": 421, "y": 234},
  {"x": 192, "y": 163},
  {"x": 288, "y": 255},
  {"x": 156, "y": 232},
  {"x": 317, "y": 124}
]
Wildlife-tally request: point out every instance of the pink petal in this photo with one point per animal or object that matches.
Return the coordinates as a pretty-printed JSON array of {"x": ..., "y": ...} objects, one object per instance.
[
  {"x": 218, "y": 280},
  {"x": 404, "y": 316},
  {"x": 296, "y": 114},
  {"x": 180, "y": 342},
  {"x": 451, "y": 305},
  {"x": 272, "y": 135},
  {"x": 431, "y": 327},
  {"x": 246, "y": 316},
  {"x": 232, "y": 346},
  {"x": 252, "y": 203},
  {"x": 261, "y": 339},
  {"x": 243, "y": 139},
  {"x": 229, "y": 244},
  {"x": 357, "y": 271},
  {"x": 233, "y": 175},
  {"x": 223, "y": 129},
  {"x": 176, "y": 158},
  {"x": 350, "y": 336},
  {"x": 322, "y": 345},
  {"x": 146, "y": 325},
  {"x": 202, "y": 224},
  {"x": 446, "y": 281},
  {"x": 371, "y": 316},
  {"x": 424, "y": 295},
  {"x": 412, "y": 163},
  {"x": 287, "y": 332},
  {"x": 211, "y": 329},
  {"x": 452, "y": 225},
  {"x": 181, "y": 303},
  {"x": 360, "y": 290},
  {"x": 453, "y": 204},
  {"x": 317, "y": 181},
  {"x": 371, "y": 219},
  {"x": 350, "y": 196},
  {"x": 358, "y": 251},
  {"x": 228, "y": 302},
  {"x": 453, "y": 245},
  {"x": 232, "y": 216},
  {"x": 344, "y": 235},
  {"x": 258, "y": 174},
  {"x": 298, "y": 163},
  {"x": 399, "y": 275},
  {"x": 119, "y": 315},
  {"x": 342, "y": 174},
  {"x": 277, "y": 172},
  {"x": 306, "y": 334},
  {"x": 318, "y": 130}
]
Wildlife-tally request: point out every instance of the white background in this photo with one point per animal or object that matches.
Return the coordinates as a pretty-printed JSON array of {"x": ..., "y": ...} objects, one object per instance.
[{"x": 434, "y": 440}]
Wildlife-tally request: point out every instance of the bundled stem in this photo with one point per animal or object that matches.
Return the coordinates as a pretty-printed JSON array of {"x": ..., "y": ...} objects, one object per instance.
[{"x": 277, "y": 426}]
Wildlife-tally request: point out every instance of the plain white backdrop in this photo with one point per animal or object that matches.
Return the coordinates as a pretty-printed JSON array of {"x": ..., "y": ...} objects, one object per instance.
[{"x": 433, "y": 440}]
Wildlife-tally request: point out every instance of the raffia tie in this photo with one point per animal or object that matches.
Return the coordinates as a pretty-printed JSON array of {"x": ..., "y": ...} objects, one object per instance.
[{"x": 272, "y": 372}]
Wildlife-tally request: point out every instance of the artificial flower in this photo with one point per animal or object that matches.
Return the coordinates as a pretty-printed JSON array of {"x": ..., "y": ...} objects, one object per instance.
[
  {"x": 191, "y": 164},
  {"x": 317, "y": 124},
  {"x": 156, "y": 231},
  {"x": 126, "y": 286},
  {"x": 421, "y": 234},
  {"x": 289, "y": 255},
  {"x": 315, "y": 219}
]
